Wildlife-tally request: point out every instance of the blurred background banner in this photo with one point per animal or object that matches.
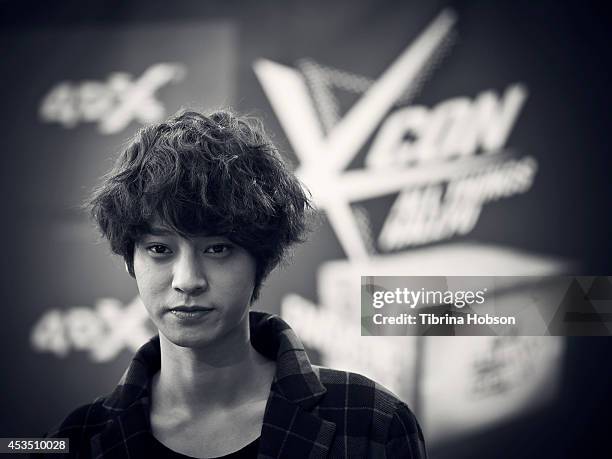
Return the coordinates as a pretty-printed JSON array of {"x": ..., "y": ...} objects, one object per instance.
[{"x": 446, "y": 138}]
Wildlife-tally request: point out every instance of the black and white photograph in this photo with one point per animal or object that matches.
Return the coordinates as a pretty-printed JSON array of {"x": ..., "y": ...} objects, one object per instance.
[{"x": 306, "y": 229}]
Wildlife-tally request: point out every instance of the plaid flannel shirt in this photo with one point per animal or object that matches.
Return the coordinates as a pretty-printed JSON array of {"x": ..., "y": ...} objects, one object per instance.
[{"x": 312, "y": 412}]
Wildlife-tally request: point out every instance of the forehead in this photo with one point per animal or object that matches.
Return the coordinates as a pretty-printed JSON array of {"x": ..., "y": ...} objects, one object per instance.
[
  {"x": 158, "y": 230},
  {"x": 158, "y": 227}
]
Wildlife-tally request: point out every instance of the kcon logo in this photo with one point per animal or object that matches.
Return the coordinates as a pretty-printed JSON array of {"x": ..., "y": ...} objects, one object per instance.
[
  {"x": 443, "y": 162},
  {"x": 440, "y": 165},
  {"x": 112, "y": 104}
]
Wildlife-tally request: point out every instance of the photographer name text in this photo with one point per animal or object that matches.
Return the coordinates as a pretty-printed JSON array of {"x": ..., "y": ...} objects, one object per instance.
[{"x": 446, "y": 319}]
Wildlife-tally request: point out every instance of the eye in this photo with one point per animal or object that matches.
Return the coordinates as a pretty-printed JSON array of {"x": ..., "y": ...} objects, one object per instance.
[
  {"x": 158, "y": 250},
  {"x": 219, "y": 250}
]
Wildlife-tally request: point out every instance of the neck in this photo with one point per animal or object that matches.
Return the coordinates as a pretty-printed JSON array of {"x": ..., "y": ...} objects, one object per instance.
[{"x": 192, "y": 379}]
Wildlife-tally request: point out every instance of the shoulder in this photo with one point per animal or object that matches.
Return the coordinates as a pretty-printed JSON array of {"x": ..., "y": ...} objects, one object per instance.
[
  {"x": 367, "y": 406},
  {"x": 357, "y": 391},
  {"x": 83, "y": 423},
  {"x": 84, "y": 418}
]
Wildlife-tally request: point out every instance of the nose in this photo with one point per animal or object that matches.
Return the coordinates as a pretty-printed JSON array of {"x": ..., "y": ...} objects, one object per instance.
[{"x": 189, "y": 276}]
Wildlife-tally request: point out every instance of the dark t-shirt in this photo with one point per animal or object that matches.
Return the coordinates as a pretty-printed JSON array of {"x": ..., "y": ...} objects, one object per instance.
[{"x": 159, "y": 450}]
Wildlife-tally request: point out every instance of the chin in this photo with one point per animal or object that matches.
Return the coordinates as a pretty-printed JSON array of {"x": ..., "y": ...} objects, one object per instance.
[{"x": 189, "y": 340}]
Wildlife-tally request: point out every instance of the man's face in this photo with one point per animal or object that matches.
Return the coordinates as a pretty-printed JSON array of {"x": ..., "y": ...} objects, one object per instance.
[{"x": 197, "y": 290}]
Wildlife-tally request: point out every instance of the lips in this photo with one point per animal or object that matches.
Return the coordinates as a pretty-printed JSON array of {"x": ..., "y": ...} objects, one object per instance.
[
  {"x": 188, "y": 309},
  {"x": 190, "y": 314}
]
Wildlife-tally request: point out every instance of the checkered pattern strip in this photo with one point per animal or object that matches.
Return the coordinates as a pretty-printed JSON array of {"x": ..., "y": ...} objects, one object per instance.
[{"x": 312, "y": 412}]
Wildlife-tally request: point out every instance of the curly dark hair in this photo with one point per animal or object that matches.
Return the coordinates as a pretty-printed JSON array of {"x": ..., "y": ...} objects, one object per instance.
[{"x": 204, "y": 174}]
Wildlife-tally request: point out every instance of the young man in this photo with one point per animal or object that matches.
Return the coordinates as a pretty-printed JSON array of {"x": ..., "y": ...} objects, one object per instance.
[{"x": 202, "y": 208}]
